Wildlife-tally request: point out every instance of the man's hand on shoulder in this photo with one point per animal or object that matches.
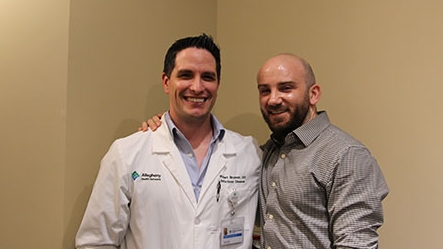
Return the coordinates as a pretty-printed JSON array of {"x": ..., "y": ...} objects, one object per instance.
[{"x": 152, "y": 123}]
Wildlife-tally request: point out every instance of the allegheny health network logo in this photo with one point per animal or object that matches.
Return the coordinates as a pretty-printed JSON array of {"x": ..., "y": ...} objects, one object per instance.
[
  {"x": 135, "y": 175},
  {"x": 146, "y": 176}
]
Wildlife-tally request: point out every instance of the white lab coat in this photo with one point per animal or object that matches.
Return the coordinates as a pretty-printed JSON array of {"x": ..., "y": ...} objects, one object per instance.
[{"x": 143, "y": 198}]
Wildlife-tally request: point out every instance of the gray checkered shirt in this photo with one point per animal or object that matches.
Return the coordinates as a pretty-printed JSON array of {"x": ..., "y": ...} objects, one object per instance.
[{"x": 320, "y": 189}]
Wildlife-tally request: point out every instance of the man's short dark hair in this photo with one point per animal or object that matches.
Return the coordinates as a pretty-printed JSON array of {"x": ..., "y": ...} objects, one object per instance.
[{"x": 202, "y": 41}]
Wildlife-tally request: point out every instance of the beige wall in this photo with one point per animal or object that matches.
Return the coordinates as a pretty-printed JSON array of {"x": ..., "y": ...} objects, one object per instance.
[
  {"x": 75, "y": 75},
  {"x": 33, "y": 82}
]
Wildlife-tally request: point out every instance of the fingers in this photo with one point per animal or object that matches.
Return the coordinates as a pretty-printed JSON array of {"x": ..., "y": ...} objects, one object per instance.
[
  {"x": 144, "y": 127},
  {"x": 156, "y": 120},
  {"x": 153, "y": 124}
]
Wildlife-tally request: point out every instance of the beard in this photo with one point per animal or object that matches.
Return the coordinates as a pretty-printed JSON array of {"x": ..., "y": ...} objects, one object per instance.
[{"x": 280, "y": 127}]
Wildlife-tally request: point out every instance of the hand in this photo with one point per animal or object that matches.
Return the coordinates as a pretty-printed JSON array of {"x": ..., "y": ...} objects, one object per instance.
[{"x": 152, "y": 123}]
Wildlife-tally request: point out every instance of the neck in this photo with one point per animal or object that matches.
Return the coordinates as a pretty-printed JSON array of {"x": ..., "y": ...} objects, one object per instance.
[
  {"x": 199, "y": 135},
  {"x": 197, "y": 132},
  {"x": 311, "y": 114}
]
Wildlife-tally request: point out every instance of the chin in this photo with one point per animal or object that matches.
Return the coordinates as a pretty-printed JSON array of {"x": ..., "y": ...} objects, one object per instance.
[
  {"x": 278, "y": 122},
  {"x": 199, "y": 115},
  {"x": 278, "y": 129},
  {"x": 277, "y": 126}
]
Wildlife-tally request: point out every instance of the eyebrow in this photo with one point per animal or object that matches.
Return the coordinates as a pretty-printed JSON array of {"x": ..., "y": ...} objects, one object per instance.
[
  {"x": 211, "y": 73},
  {"x": 279, "y": 83},
  {"x": 287, "y": 82},
  {"x": 184, "y": 71}
]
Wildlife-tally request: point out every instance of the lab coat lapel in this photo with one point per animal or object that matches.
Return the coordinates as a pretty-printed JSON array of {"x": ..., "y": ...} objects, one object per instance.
[
  {"x": 222, "y": 152},
  {"x": 164, "y": 147}
]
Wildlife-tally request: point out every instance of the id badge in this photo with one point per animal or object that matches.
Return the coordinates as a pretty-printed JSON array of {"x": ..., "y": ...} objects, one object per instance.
[{"x": 232, "y": 231}]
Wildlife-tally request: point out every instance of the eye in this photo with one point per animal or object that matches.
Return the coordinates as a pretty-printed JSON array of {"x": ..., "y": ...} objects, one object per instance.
[
  {"x": 286, "y": 88},
  {"x": 263, "y": 91},
  {"x": 209, "y": 77},
  {"x": 185, "y": 76}
]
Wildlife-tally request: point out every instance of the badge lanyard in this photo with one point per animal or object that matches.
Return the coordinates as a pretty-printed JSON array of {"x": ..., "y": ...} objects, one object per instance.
[
  {"x": 232, "y": 200},
  {"x": 232, "y": 229}
]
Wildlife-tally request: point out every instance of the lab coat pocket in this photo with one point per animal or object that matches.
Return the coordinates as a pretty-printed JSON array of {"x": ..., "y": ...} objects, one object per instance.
[{"x": 237, "y": 202}]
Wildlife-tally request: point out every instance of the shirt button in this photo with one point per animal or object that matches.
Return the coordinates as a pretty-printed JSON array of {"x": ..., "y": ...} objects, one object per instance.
[
  {"x": 273, "y": 184},
  {"x": 283, "y": 156},
  {"x": 197, "y": 221},
  {"x": 269, "y": 247},
  {"x": 190, "y": 155},
  {"x": 271, "y": 216}
]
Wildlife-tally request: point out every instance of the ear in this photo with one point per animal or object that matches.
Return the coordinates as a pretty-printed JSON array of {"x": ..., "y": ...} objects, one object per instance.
[
  {"x": 165, "y": 83},
  {"x": 314, "y": 94}
]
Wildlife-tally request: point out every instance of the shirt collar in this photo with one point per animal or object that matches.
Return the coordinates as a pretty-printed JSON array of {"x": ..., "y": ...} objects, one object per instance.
[
  {"x": 217, "y": 128},
  {"x": 308, "y": 132}
]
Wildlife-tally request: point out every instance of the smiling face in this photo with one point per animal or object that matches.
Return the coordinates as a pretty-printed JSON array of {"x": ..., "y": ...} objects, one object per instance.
[
  {"x": 286, "y": 100},
  {"x": 192, "y": 86}
]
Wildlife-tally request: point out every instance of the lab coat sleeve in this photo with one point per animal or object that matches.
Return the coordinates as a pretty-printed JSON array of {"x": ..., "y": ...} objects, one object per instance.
[{"x": 107, "y": 214}]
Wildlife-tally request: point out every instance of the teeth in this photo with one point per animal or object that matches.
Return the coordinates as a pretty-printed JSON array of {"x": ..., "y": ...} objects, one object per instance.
[
  {"x": 197, "y": 100},
  {"x": 277, "y": 112}
]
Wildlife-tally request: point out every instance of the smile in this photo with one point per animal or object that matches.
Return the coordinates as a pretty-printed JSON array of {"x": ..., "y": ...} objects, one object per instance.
[
  {"x": 276, "y": 111},
  {"x": 196, "y": 100}
]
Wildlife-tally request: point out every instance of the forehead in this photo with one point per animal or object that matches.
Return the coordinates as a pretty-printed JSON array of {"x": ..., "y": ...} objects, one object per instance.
[
  {"x": 195, "y": 59},
  {"x": 281, "y": 69}
]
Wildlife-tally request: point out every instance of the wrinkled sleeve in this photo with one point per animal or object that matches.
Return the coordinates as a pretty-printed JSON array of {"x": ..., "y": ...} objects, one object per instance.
[
  {"x": 355, "y": 200},
  {"x": 106, "y": 217}
]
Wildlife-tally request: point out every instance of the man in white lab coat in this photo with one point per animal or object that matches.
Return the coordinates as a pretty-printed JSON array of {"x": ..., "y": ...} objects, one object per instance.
[{"x": 191, "y": 184}]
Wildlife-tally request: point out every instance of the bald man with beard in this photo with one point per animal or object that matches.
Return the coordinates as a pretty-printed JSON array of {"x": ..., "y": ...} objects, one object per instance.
[{"x": 320, "y": 187}]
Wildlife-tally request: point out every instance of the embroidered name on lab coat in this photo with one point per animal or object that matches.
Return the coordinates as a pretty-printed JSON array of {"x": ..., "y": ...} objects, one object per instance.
[{"x": 232, "y": 179}]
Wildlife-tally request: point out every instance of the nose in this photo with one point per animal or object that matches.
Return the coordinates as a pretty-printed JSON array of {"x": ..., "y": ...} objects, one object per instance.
[
  {"x": 274, "y": 98},
  {"x": 197, "y": 85}
]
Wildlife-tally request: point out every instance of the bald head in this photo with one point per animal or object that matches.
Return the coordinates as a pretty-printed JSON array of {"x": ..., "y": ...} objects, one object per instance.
[{"x": 290, "y": 64}]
